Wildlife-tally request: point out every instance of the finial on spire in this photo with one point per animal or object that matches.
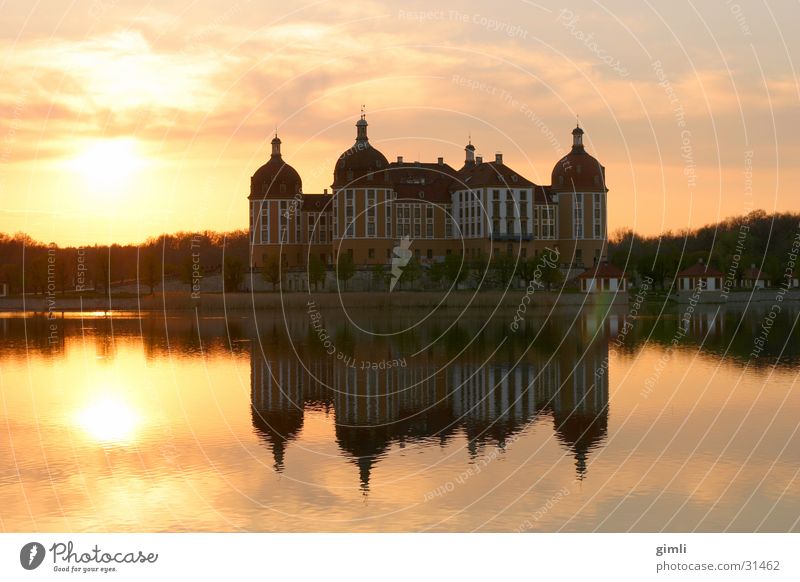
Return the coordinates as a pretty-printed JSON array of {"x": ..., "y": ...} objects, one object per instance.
[
  {"x": 363, "y": 111},
  {"x": 577, "y": 121}
]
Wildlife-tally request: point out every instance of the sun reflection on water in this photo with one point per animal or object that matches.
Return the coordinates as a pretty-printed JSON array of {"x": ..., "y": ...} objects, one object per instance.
[{"x": 110, "y": 420}]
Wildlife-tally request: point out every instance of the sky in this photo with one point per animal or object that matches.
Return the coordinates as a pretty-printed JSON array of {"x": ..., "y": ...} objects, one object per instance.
[{"x": 123, "y": 120}]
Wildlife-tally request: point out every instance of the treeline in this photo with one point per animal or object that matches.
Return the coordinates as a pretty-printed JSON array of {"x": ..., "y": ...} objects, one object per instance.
[
  {"x": 732, "y": 246},
  {"x": 36, "y": 267}
]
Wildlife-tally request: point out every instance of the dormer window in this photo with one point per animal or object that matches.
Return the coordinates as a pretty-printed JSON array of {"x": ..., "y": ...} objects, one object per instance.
[
  {"x": 596, "y": 179},
  {"x": 349, "y": 174},
  {"x": 514, "y": 177},
  {"x": 370, "y": 176}
]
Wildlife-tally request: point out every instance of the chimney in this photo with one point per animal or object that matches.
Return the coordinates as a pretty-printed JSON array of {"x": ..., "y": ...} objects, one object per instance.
[
  {"x": 325, "y": 191},
  {"x": 399, "y": 159},
  {"x": 479, "y": 159},
  {"x": 498, "y": 158},
  {"x": 441, "y": 161}
]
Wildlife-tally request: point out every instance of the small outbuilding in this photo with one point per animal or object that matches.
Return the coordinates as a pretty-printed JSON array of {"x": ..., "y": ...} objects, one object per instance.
[
  {"x": 603, "y": 277},
  {"x": 698, "y": 275},
  {"x": 755, "y": 278}
]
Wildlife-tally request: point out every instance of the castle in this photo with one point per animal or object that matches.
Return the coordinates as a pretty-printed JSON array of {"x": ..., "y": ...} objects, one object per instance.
[{"x": 485, "y": 208}]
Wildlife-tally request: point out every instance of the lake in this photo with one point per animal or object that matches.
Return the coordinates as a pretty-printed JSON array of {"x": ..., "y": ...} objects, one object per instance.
[{"x": 590, "y": 420}]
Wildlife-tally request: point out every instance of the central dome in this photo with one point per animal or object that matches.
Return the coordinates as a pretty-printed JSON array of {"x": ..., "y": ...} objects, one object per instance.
[
  {"x": 276, "y": 178},
  {"x": 361, "y": 165},
  {"x": 578, "y": 170}
]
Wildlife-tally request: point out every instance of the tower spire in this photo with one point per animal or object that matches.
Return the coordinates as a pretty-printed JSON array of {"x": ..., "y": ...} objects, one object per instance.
[
  {"x": 361, "y": 125},
  {"x": 276, "y": 144},
  {"x": 470, "y": 152},
  {"x": 577, "y": 138}
]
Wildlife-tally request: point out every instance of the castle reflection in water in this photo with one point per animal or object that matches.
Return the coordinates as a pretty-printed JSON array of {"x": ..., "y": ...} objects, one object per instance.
[{"x": 485, "y": 396}]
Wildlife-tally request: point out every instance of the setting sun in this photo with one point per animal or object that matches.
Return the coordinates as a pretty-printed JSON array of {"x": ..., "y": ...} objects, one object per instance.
[{"x": 108, "y": 163}]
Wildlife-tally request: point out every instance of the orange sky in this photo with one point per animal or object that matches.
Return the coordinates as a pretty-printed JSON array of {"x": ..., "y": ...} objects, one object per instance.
[{"x": 119, "y": 120}]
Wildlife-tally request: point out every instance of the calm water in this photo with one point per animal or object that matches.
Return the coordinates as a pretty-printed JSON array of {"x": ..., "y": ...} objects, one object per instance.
[{"x": 210, "y": 423}]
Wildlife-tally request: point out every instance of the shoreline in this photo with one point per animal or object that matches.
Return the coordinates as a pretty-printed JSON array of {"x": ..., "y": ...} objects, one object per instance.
[
  {"x": 378, "y": 300},
  {"x": 241, "y": 301}
]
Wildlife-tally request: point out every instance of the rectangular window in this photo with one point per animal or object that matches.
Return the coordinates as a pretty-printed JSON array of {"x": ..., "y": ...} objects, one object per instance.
[
  {"x": 388, "y": 211},
  {"x": 578, "y": 214},
  {"x": 372, "y": 213},
  {"x": 597, "y": 222},
  {"x": 349, "y": 213},
  {"x": 548, "y": 222},
  {"x": 265, "y": 222}
]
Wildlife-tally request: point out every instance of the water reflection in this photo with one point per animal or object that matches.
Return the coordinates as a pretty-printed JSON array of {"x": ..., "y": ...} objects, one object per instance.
[
  {"x": 428, "y": 400},
  {"x": 128, "y": 424}
]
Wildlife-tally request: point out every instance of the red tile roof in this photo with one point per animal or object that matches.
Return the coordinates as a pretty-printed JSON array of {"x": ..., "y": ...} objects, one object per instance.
[
  {"x": 604, "y": 270},
  {"x": 700, "y": 269},
  {"x": 754, "y": 274},
  {"x": 317, "y": 202}
]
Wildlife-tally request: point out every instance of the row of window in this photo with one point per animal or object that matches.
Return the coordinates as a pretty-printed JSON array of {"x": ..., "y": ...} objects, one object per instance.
[{"x": 415, "y": 220}]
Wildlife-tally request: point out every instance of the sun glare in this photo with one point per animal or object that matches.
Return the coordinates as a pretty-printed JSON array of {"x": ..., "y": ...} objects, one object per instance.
[
  {"x": 109, "y": 420},
  {"x": 108, "y": 163}
]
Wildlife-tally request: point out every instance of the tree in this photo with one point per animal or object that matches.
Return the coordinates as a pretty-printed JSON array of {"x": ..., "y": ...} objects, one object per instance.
[
  {"x": 233, "y": 273},
  {"x": 551, "y": 275},
  {"x": 479, "y": 268},
  {"x": 526, "y": 270},
  {"x": 378, "y": 276},
  {"x": 436, "y": 273},
  {"x": 411, "y": 272},
  {"x": 345, "y": 268},
  {"x": 36, "y": 275},
  {"x": 316, "y": 271},
  {"x": 503, "y": 269},
  {"x": 454, "y": 269},
  {"x": 61, "y": 272},
  {"x": 149, "y": 270},
  {"x": 190, "y": 271},
  {"x": 101, "y": 269},
  {"x": 271, "y": 272}
]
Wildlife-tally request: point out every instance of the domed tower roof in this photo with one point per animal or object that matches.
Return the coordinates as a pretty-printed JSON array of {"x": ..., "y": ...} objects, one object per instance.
[
  {"x": 578, "y": 170},
  {"x": 276, "y": 178},
  {"x": 361, "y": 165}
]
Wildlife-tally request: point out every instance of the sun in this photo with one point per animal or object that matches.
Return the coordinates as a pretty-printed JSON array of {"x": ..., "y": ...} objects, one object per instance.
[{"x": 108, "y": 163}]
